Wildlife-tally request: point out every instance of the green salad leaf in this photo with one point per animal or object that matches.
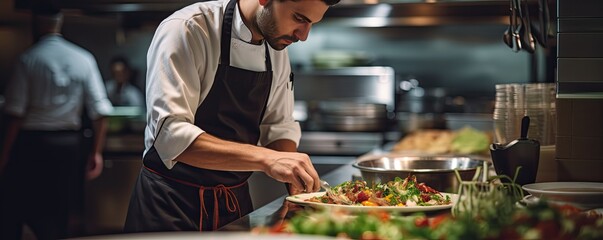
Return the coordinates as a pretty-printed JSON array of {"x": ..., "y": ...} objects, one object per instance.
[{"x": 469, "y": 141}]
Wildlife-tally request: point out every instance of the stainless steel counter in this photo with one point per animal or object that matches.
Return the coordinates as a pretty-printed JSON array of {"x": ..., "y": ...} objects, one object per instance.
[{"x": 278, "y": 209}]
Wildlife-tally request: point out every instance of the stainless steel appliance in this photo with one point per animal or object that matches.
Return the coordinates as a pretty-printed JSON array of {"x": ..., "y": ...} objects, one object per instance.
[{"x": 345, "y": 111}]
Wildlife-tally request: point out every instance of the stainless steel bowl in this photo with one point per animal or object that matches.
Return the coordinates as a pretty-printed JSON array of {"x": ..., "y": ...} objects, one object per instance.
[{"x": 435, "y": 171}]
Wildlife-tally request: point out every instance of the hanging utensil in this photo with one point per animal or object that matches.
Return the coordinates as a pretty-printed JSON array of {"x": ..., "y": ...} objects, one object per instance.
[
  {"x": 508, "y": 35},
  {"x": 525, "y": 32},
  {"x": 540, "y": 32},
  {"x": 544, "y": 17},
  {"x": 517, "y": 43}
]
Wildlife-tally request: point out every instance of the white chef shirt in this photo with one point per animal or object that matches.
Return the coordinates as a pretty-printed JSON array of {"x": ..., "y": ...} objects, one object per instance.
[
  {"x": 52, "y": 81},
  {"x": 182, "y": 61},
  {"x": 128, "y": 96}
]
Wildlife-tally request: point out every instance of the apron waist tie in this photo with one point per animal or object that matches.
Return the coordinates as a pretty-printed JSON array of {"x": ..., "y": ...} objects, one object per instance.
[{"x": 232, "y": 203}]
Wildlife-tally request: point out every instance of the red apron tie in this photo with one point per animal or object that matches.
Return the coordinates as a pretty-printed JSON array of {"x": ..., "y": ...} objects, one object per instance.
[{"x": 232, "y": 203}]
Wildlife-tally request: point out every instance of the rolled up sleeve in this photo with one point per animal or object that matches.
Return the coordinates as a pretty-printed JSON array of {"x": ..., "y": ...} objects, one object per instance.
[
  {"x": 173, "y": 86},
  {"x": 174, "y": 137},
  {"x": 98, "y": 104}
]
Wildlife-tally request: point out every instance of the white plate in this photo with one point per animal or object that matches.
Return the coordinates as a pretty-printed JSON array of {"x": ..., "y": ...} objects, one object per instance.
[
  {"x": 581, "y": 194},
  {"x": 301, "y": 200}
]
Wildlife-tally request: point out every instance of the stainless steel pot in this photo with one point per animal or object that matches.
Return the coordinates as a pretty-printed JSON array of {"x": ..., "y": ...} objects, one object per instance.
[
  {"x": 419, "y": 100},
  {"x": 341, "y": 108},
  {"x": 410, "y": 122},
  {"x": 437, "y": 171},
  {"x": 352, "y": 116}
]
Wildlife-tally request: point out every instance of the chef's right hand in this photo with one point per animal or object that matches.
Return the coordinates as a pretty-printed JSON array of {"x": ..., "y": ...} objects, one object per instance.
[
  {"x": 296, "y": 169},
  {"x": 95, "y": 166}
]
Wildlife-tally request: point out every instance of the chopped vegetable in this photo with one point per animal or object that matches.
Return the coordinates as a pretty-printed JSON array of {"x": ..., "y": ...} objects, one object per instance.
[
  {"x": 400, "y": 192},
  {"x": 486, "y": 210}
]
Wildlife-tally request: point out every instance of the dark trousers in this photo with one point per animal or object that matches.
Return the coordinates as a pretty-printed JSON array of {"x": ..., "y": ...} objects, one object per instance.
[{"x": 42, "y": 185}]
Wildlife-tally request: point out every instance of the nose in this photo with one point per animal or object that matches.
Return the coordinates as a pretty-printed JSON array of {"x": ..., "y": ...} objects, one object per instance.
[{"x": 302, "y": 32}]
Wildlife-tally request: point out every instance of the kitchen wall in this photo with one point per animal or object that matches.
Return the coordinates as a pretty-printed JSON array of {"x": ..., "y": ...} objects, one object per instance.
[
  {"x": 464, "y": 59},
  {"x": 102, "y": 35},
  {"x": 579, "y": 155}
]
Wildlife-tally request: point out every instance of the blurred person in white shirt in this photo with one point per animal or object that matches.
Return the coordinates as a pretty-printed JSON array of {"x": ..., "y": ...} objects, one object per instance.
[{"x": 42, "y": 166}]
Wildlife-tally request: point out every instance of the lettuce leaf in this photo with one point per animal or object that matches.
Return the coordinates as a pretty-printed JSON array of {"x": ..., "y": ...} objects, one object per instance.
[{"x": 469, "y": 141}]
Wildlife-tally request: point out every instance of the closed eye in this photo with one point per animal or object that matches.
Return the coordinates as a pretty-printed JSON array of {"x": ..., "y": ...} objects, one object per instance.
[{"x": 301, "y": 18}]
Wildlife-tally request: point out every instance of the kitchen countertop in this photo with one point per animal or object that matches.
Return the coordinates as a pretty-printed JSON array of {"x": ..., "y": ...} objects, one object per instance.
[
  {"x": 275, "y": 211},
  {"x": 125, "y": 143}
]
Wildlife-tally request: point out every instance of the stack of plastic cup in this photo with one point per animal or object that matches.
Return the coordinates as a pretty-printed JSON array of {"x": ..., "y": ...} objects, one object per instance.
[{"x": 513, "y": 101}]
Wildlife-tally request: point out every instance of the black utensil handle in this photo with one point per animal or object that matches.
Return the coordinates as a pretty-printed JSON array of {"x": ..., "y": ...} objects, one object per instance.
[
  {"x": 543, "y": 16},
  {"x": 525, "y": 124}
]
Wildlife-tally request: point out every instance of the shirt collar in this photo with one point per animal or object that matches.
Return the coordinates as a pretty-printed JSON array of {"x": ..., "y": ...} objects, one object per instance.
[
  {"x": 50, "y": 36},
  {"x": 239, "y": 29}
]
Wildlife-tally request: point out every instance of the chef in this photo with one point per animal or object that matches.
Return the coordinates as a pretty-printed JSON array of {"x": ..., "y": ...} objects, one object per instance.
[{"x": 219, "y": 106}]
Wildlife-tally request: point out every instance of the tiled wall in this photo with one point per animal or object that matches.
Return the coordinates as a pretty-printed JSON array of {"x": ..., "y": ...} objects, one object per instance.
[{"x": 579, "y": 154}]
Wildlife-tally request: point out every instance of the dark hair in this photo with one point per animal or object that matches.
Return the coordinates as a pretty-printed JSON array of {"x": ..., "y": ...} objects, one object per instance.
[
  {"x": 120, "y": 59},
  {"x": 47, "y": 18},
  {"x": 45, "y": 8},
  {"x": 123, "y": 60},
  {"x": 328, "y": 2},
  {"x": 331, "y": 2}
]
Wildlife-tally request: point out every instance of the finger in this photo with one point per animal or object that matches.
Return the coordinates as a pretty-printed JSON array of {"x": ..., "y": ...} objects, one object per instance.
[
  {"x": 309, "y": 168},
  {"x": 295, "y": 191},
  {"x": 307, "y": 180},
  {"x": 291, "y": 190},
  {"x": 316, "y": 179},
  {"x": 297, "y": 185}
]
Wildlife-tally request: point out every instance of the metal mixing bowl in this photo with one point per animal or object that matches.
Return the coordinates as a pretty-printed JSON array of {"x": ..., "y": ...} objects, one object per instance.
[{"x": 435, "y": 171}]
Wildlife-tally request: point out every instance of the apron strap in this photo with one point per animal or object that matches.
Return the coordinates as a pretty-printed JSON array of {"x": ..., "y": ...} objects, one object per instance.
[
  {"x": 268, "y": 62},
  {"x": 232, "y": 203},
  {"x": 227, "y": 33}
]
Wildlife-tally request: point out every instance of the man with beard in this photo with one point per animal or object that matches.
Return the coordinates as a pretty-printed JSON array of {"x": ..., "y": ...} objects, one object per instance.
[{"x": 219, "y": 106}]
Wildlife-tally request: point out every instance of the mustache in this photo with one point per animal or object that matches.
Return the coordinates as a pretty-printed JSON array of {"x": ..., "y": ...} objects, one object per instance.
[{"x": 290, "y": 38}]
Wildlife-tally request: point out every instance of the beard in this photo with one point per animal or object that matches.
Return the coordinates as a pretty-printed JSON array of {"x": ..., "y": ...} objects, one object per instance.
[{"x": 266, "y": 24}]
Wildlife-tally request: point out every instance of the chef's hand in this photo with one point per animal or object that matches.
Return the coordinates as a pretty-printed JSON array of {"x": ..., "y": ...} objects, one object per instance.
[
  {"x": 95, "y": 166},
  {"x": 296, "y": 169}
]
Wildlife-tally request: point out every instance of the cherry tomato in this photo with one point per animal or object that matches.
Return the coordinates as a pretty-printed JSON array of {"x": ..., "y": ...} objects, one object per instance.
[{"x": 361, "y": 197}]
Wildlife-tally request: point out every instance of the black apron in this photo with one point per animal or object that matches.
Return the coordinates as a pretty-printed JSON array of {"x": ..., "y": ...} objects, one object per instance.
[{"x": 187, "y": 198}]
